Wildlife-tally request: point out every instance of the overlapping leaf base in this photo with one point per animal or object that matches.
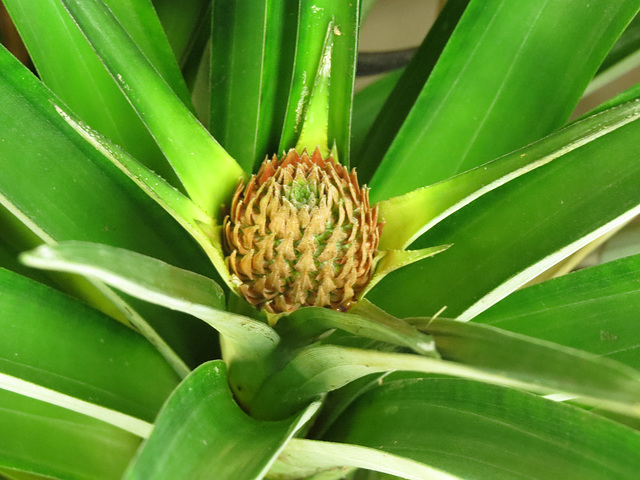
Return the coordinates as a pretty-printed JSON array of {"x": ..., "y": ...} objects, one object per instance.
[{"x": 300, "y": 233}]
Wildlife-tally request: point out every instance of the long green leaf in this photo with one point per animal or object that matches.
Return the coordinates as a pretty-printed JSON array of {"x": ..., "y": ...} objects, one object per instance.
[
  {"x": 202, "y": 433},
  {"x": 623, "y": 57},
  {"x": 55, "y": 442},
  {"x": 410, "y": 215},
  {"x": 314, "y": 18},
  {"x": 308, "y": 324},
  {"x": 487, "y": 97},
  {"x": 84, "y": 197},
  {"x": 481, "y": 431},
  {"x": 178, "y": 20},
  {"x": 57, "y": 47},
  {"x": 53, "y": 341},
  {"x": 594, "y": 310},
  {"x": 367, "y": 104},
  {"x": 244, "y": 339},
  {"x": 193, "y": 219},
  {"x": 511, "y": 234},
  {"x": 399, "y": 103},
  {"x": 303, "y": 458},
  {"x": 252, "y": 52},
  {"x": 470, "y": 351},
  {"x": 206, "y": 170}
]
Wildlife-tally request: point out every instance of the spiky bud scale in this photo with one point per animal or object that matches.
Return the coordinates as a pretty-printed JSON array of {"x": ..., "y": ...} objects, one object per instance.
[{"x": 301, "y": 233}]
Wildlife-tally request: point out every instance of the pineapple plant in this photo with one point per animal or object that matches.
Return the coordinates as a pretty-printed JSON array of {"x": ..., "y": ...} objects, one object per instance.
[{"x": 218, "y": 262}]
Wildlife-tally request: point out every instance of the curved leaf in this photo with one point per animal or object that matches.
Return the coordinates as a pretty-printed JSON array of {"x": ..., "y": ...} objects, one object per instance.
[
  {"x": 53, "y": 341},
  {"x": 57, "y": 47},
  {"x": 252, "y": 52},
  {"x": 410, "y": 215},
  {"x": 202, "y": 433},
  {"x": 206, "y": 170},
  {"x": 479, "y": 104},
  {"x": 470, "y": 351},
  {"x": 157, "y": 282},
  {"x": 314, "y": 18},
  {"x": 593, "y": 309},
  {"x": 474, "y": 430},
  {"x": 59, "y": 187},
  {"x": 307, "y": 324},
  {"x": 201, "y": 226},
  {"x": 55, "y": 442},
  {"x": 303, "y": 458},
  {"x": 513, "y": 233}
]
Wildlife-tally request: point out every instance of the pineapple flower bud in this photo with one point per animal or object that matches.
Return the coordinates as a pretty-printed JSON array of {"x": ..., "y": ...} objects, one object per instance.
[{"x": 301, "y": 233}]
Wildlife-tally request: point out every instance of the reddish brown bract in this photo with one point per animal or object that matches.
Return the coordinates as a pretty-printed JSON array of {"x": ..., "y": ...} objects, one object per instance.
[{"x": 301, "y": 233}]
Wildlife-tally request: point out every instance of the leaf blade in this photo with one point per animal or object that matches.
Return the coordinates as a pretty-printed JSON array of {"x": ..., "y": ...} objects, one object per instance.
[
  {"x": 474, "y": 430},
  {"x": 86, "y": 342},
  {"x": 202, "y": 430},
  {"x": 206, "y": 170},
  {"x": 463, "y": 122}
]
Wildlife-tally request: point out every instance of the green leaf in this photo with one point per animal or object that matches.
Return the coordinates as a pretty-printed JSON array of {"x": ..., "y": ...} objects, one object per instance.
[
  {"x": 251, "y": 60},
  {"x": 182, "y": 22},
  {"x": 623, "y": 57},
  {"x": 478, "y": 104},
  {"x": 202, "y": 433},
  {"x": 206, "y": 170},
  {"x": 469, "y": 351},
  {"x": 405, "y": 92},
  {"x": 244, "y": 339},
  {"x": 515, "y": 232},
  {"x": 58, "y": 343},
  {"x": 534, "y": 361},
  {"x": 55, "y": 442},
  {"x": 594, "y": 309},
  {"x": 315, "y": 126},
  {"x": 307, "y": 324},
  {"x": 84, "y": 197},
  {"x": 201, "y": 226},
  {"x": 302, "y": 458},
  {"x": 474, "y": 430},
  {"x": 410, "y": 215},
  {"x": 314, "y": 18},
  {"x": 367, "y": 104},
  {"x": 391, "y": 260},
  {"x": 57, "y": 47}
]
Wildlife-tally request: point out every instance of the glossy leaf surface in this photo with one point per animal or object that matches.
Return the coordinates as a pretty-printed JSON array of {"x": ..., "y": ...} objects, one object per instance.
[
  {"x": 58, "y": 443},
  {"x": 469, "y": 351},
  {"x": 57, "y": 47},
  {"x": 206, "y": 170},
  {"x": 405, "y": 92},
  {"x": 315, "y": 17},
  {"x": 482, "y": 431},
  {"x": 303, "y": 458},
  {"x": 308, "y": 324},
  {"x": 54, "y": 341},
  {"x": 478, "y": 105},
  {"x": 594, "y": 310},
  {"x": 251, "y": 58},
  {"x": 202, "y": 433},
  {"x": 508, "y": 236},
  {"x": 410, "y": 215},
  {"x": 69, "y": 201}
]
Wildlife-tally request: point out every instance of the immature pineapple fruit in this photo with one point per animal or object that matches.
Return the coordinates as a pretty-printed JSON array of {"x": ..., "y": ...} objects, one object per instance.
[{"x": 301, "y": 233}]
